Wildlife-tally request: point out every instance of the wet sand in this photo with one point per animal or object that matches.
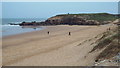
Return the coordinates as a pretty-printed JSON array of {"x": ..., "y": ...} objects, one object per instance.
[{"x": 56, "y": 49}]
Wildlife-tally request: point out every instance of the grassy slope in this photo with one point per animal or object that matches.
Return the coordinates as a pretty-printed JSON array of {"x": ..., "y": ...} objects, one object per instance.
[
  {"x": 96, "y": 16},
  {"x": 110, "y": 41}
]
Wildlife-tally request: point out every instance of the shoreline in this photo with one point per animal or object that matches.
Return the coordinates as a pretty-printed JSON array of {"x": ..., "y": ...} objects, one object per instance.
[
  {"x": 43, "y": 28},
  {"x": 14, "y": 30}
]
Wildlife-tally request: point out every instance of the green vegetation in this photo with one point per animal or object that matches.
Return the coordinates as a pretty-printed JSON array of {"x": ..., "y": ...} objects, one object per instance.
[
  {"x": 102, "y": 17},
  {"x": 110, "y": 43},
  {"x": 112, "y": 50},
  {"x": 95, "y": 16},
  {"x": 104, "y": 42}
]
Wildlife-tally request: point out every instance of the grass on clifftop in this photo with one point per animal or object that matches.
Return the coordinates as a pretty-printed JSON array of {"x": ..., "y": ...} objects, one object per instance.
[{"x": 95, "y": 16}]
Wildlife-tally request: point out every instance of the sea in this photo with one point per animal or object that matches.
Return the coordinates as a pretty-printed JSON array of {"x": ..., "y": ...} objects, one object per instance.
[{"x": 7, "y": 29}]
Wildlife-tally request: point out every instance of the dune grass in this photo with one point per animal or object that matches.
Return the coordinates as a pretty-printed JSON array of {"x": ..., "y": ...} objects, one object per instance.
[{"x": 111, "y": 45}]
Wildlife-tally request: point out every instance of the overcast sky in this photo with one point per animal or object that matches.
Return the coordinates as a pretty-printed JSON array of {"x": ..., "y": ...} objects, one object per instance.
[{"x": 48, "y": 9}]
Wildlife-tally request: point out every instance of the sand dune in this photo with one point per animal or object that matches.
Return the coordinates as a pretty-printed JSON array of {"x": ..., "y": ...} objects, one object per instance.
[{"x": 56, "y": 49}]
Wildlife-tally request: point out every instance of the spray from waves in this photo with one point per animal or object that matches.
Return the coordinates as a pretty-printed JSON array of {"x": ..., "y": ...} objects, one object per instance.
[{"x": 16, "y": 29}]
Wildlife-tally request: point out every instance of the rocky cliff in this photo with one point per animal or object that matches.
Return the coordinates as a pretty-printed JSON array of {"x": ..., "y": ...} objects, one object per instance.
[
  {"x": 77, "y": 19},
  {"x": 71, "y": 20}
]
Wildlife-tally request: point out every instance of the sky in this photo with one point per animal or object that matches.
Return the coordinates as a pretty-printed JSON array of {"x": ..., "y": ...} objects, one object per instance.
[
  {"x": 60, "y": 0},
  {"x": 49, "y": 9}
]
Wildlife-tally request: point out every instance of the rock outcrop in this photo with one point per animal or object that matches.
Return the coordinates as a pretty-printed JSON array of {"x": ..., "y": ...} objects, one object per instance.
[
  {"x": 70, "y": 20},
  {"x": 76, "y": 19}
]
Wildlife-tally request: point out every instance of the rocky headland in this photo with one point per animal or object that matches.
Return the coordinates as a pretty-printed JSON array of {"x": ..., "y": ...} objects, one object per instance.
[{"x": 75, "y": 19}]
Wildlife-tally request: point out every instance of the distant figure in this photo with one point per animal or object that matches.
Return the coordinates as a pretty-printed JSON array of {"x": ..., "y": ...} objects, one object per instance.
[
  {"x": 48, "y": 32},
  {"x": 96, "y": 60},
  {"x": 68, "y": 13},
  {"x": 109, "y": 29},
  {"x": 69, "y": 33}
]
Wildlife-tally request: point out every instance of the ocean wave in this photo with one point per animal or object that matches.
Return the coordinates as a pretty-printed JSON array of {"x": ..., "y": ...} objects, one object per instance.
[
  {"x": 8, "y": 25},
  {"x": 16, "y": 22}
]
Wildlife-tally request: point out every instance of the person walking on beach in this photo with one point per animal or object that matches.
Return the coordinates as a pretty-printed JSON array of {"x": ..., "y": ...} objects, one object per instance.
[
  {"x": 69, "y": 33},
  {"x": 48, "y": 32},
  {"x": 109, "y": 28}
]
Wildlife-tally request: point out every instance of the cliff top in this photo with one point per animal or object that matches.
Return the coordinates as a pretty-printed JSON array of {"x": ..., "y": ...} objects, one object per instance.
[{"x": 90, "y": 16}]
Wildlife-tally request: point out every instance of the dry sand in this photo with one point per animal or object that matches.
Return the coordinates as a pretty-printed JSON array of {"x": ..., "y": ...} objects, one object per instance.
[{"x": 56, "y": 49}]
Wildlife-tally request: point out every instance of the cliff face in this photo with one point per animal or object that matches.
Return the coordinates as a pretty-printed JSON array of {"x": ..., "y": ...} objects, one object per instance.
[
  {"x": 77, "y": 19},
  {"x": 71, "y": 20}
]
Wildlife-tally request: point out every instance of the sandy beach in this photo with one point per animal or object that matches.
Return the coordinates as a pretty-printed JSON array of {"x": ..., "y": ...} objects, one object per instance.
[{"x": 56, "y": 49}]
